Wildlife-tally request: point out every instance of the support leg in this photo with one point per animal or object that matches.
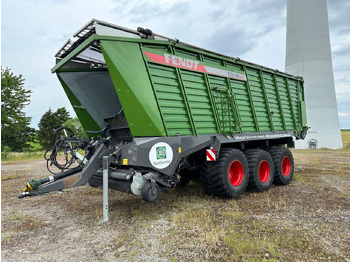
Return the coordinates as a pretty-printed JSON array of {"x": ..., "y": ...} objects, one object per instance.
[{"x": 105, "y": 189}]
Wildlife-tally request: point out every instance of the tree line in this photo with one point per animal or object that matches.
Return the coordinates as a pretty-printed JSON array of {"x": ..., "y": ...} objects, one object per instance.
[{"x": 16, "y": 133}]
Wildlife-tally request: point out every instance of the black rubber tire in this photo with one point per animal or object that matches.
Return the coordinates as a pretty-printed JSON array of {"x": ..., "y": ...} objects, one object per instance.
[
  {"x": 184, "y": 181},
  {"x": 215, "y": 175},
  {"x": 146, "y": 193},
  {"x": 189, "y": 175},
  {"x": 278, "y": 155},
  {"x": 94, "y": 182},
  {"x": 261, "y": 170}
]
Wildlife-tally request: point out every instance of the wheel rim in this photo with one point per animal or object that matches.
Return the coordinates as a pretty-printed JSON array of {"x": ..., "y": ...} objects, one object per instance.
[
  {"x": 264, "y": 171},
  {"x": 236, "y": 173},
  {"x": 286, "y": 166}
]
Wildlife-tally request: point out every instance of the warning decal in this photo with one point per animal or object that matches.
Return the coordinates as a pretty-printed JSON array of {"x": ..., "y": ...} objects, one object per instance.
[{"x": 211, "y": 155}]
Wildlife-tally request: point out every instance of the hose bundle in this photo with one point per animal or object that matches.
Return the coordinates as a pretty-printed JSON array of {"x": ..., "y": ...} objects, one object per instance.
[{"x": 59, "y": 144}]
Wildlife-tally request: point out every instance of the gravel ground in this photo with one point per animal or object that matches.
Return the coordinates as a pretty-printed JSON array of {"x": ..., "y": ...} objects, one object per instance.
[{"x": 308, "y": 220}]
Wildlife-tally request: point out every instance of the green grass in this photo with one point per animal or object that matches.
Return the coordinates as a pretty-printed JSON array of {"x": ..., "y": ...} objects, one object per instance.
[
  {"x": 345, "y": 134},
  {"x": 21, "y": 156}
]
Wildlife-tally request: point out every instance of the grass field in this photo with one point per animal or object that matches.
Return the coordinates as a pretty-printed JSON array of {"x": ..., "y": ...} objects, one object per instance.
[
  {"x": 345, "y": 134},
  {"x": 22, "y": 156},
  {"x": 307, "y": 220}
]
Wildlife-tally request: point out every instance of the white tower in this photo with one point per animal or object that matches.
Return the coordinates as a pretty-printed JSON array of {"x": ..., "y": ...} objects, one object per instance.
[{"x": 308, "y": 53}]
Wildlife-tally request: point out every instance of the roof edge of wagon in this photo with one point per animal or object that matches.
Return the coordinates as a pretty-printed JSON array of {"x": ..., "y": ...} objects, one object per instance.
[{"x": 74, "y": 46}]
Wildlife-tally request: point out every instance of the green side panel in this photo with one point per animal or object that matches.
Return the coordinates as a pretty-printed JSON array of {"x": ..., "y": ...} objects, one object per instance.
[
  {"x": 303, "y": 113},
  {"x": 170, "y": 98},
  {"x": 213, "y": 61},
  {"x": 235, "y": 68},
  {"x": 199, "y": 102},
  {"x": 273, "y": 101},
  {"x": 223, "y": 102},
  {"x": 258, "y": 99},
  {"x": 240, "y": 91},
  {"x": 302, "y": 110},
  {"x": 198, "y": 96},
  {"x": 293, "y": 89},
  {"x": 129, "y": 75},
  {"x": 284, "y": 98},
  {"x": 85, "y": 119},
  {"x": 187, "y": 54}
]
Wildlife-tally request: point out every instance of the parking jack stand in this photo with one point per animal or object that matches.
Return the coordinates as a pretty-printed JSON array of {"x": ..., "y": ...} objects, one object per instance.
[{"x": 105, "y": 189}]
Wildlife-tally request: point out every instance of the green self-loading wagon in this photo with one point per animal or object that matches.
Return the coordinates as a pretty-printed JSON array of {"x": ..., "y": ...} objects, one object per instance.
[{"x": 162, "y": 112}]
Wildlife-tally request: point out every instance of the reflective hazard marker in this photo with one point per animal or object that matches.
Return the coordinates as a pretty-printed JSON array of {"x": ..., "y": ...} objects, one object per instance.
[{"x": 211, "y": 155}]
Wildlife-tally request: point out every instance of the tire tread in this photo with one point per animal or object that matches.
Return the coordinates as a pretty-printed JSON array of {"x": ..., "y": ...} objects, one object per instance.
[
  {"x": 276, "y": 153},
  {"x": 252, "y": 156},
  {"x": 212, "y": 174}
]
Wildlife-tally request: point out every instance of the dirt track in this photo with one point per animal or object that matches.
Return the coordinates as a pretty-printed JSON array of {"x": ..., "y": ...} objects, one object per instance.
[{"x": 304, "y": 221}]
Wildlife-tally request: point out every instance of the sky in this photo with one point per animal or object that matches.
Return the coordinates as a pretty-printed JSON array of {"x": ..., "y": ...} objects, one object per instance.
[{"x": 32, "y": 31}]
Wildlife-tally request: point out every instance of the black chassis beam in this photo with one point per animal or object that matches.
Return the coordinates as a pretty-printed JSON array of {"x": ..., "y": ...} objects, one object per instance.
[{"x": 142, "y": 152}]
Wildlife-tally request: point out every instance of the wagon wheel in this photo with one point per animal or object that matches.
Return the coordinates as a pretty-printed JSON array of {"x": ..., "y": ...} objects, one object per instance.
[
  {"x": 228, "y": 176},
  {"x": 261, "y": 170},
  {"x": 283, "y": 163}
]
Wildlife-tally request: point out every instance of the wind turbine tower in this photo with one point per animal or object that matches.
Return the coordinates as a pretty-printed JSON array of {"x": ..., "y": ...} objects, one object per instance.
[{"x": 308, "y": 53}]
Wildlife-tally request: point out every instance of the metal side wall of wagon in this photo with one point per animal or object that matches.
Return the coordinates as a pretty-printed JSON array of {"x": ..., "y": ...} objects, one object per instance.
[{"x": 199, "y": 93}]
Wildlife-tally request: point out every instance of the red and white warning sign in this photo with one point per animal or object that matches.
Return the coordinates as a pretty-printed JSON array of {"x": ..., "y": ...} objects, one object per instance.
[{"x": 211, "y": 155}]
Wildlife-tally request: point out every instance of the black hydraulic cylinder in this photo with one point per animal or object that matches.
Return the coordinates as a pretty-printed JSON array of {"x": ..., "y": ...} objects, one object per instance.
[
  {"x": 61, "y": 175},
  {"x": 115, "y": 184}
]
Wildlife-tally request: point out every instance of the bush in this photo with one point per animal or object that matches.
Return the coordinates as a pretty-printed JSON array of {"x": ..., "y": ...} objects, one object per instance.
[{"x": 5, "y": 152}]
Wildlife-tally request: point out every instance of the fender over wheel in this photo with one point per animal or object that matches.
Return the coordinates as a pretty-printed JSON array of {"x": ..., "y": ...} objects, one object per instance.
[{"x": 228, "y": 176}]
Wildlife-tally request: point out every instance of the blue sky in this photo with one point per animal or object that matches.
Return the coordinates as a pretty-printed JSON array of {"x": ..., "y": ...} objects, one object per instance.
[{"x": 32, "y": 31}]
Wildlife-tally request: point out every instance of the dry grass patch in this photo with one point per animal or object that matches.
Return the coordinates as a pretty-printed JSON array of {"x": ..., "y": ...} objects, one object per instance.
[
  {"x": 5, "y": 177},
  {"x": 23, "y": 156},
  {"x": 346, "y": 138},
  {"x": 15, "y": 224}
]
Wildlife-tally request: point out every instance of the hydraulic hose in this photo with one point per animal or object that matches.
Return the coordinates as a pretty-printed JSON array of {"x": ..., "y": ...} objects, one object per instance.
[{"x": 55, "y": 146}]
